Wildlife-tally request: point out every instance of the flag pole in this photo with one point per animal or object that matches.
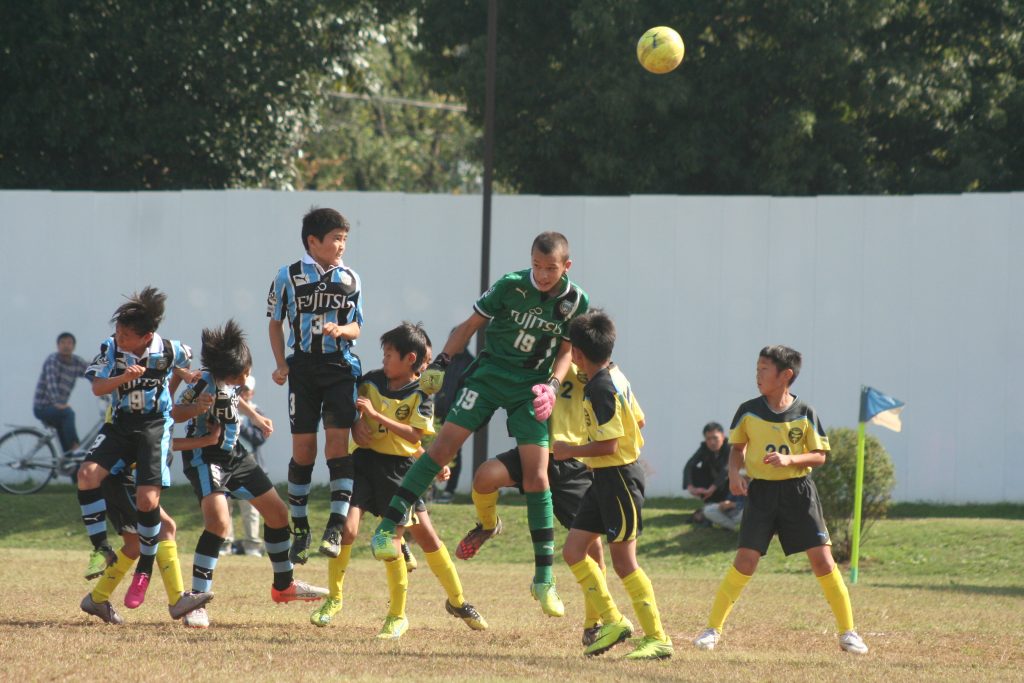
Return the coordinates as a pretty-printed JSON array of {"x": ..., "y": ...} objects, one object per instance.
[{"x": 858, "y": 496}]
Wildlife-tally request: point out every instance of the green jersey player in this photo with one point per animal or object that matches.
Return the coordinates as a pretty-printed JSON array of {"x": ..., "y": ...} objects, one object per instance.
[{"x": 527, "y": 353}]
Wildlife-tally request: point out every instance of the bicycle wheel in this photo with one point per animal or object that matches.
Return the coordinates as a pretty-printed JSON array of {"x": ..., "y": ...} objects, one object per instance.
[{"x": 28, "y": 460}]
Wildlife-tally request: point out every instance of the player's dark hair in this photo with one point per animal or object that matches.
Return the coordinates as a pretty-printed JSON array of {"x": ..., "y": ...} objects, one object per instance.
[
  {"x": 712, "y": 427},
  {"x": 225, "y": 352},
  {"x": 66, "y": 335},
  {"x": 142, "y": 312},
  {"x": 408, "y": 338},
  {"x": 593, "y": 333},
  {"x": 783, "y": 358},
  {"x": 319, "y": 222},
  {"x": 552, "y": 243}
]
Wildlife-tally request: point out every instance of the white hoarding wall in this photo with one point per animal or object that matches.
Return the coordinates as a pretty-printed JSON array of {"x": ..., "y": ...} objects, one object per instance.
[{"x": 916, "y": 296}]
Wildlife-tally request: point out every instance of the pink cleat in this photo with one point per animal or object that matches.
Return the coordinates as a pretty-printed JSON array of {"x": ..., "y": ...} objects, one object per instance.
[{"x": 136, "y": 593}]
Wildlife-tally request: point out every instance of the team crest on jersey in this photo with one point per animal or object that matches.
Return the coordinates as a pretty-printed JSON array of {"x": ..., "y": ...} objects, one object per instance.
[
  {"x": 403, "y": 412},
  {"x": 161, "y": 363},
  {"x": 795, "y": 434},
  {"x": 565, "y": 307}
]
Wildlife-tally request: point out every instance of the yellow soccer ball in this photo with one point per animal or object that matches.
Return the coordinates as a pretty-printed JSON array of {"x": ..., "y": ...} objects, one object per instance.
[{"x": 660, "y": 50}]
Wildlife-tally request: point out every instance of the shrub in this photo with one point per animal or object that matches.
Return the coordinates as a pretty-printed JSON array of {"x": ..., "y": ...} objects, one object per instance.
[{"x": 836, "y": 479}]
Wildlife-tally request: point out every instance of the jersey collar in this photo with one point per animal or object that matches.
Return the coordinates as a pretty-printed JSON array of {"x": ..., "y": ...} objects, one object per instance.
[{"x": 307, "y": 259}]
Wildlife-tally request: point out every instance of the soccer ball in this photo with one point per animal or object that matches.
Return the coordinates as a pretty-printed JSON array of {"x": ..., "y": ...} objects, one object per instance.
[{"x": 660, "y": 50}]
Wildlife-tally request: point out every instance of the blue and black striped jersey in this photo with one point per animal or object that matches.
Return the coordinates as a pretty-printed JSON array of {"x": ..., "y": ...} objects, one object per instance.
[
  {"x": 223, "y": 412},
  {"x": 310, "y": 298},
  {"x": 146, "y": 395}
]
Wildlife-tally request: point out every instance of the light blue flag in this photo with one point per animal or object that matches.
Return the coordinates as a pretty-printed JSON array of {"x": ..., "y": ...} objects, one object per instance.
[{"x": 880, "y": 409}]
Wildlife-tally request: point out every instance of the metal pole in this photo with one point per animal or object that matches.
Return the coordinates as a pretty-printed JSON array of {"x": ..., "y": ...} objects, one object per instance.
[{"x": 480, "y": 440}]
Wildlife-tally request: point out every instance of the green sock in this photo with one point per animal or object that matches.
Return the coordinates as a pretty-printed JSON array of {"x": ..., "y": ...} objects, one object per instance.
[
  {"x": 542, "y": 531},
  {"x": 415, "y": 482}
]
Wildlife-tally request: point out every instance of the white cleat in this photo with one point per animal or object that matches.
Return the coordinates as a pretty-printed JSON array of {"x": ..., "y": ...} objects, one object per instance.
[
  {"x": 708, "y": 638},
  {"x": 853, "y": 643}
]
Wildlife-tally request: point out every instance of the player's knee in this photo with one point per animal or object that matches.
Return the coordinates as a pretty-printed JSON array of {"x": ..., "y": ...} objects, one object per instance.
[
  {"x": 274, "y": 512},
  {"x": 89, "y": 476},
  {"x": 304, "y": 448},
  {"x": 535, "y": 482},
  {"x": 490, "y": 477},
  {"x": 167, "y": 528},
  {"x": 746, "y": 561}
]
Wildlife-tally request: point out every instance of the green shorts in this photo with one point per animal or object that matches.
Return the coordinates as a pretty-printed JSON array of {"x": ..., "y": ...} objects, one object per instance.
[{"x": 490, "y": 386}]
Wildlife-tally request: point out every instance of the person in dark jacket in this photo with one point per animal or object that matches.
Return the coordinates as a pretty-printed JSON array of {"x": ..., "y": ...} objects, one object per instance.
[{"x": 706, "y": 475}]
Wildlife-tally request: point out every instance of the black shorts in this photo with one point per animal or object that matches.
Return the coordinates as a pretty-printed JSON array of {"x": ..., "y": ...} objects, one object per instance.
[
  {"x": 568, "y": 479},
  {"x": 378, "y": 477},
  {"x": 119, "y": 492},
  {"x": 238, "y": 475},
  {"x": 789, "y": 508},
  {"x": 320, "y": 385},
  {"x": 612, "y": 505},
  {"x": 140, "y": 441}
]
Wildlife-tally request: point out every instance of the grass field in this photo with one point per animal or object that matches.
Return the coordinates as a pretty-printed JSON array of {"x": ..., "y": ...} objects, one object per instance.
[{"x": 941, "y": 598}]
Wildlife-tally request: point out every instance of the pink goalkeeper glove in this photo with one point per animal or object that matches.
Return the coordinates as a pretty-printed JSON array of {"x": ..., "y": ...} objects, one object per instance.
[{"x": 544, "y": 399}]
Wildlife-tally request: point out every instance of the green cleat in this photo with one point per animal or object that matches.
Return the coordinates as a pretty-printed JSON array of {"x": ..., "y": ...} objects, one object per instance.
[
  {"x": 322, "y": 616},
  {"x": 547, "y": 596},
  {"x": 393, "y": 628},
  {"x": 650, "y": 647},
  {"x": 99, "y": 559},
  {"x": 382, "y": 546},
  {"x": 331, "y": 543},
  {"x": 609, "y": 636},
  {"x": 468, "y": 614}
]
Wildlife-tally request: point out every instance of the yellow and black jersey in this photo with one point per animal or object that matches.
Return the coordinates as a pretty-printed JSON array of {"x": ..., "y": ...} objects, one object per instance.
[
  {"x": 567, "y": 421},
  {"x": 611, "y": 411},
  {"x": 408, "y": 405},
  {"x": 795, "y": 430}
]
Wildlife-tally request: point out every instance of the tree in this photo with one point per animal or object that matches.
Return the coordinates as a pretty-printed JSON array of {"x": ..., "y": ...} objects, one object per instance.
[
  {"x": 115, "y": 95},
  {"x": 851, "y": 96},
  {"x": 381, "y": 128}
]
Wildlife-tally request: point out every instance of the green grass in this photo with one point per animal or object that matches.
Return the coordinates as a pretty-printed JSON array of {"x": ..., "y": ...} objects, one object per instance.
[{"x": 941, "y": 597}]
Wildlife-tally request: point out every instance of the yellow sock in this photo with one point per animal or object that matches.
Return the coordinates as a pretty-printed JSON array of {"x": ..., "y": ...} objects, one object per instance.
[
  {"x": 111, "y": 577},
  {"x": 486, "y": 508},
  {"x": 441, "y": 564},
  {"x": 591, "y": 615},
  {"x": 595, "y": 590},
  {"x": 728, "y": 593},
  {"x": 838, "y": 599},
  {"x": 170, "y": 570},
  {"x": 336, "y": 568},
  {"x": 641, "y": 593},
  {"x": 398, "y": 586}
]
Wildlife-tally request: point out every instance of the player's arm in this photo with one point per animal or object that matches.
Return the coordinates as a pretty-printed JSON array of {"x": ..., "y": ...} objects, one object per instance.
[
  {"x": 276, "y": 332},
  {"x": 594, "y": 449},
  {"x": 190, "y": 443},
  {"x": 101, "y": 386},
  {"x": 349, "y": 331},
  {"x": 811, "y": 459},
  {"x": 563, "y": 359},
  {"x": 432, "y": 378},
  {"x": 458, "y": 340},
  {"x": 737, "y": 482},
  {"x": 400, "y": 429},
  {"x": 259, "y": 421}
]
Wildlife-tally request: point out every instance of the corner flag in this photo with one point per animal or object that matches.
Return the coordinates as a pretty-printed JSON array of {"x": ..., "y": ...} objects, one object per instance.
[{"x": 882, "y": 410}]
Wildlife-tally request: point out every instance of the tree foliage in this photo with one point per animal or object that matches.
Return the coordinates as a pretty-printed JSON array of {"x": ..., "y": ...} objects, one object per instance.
[
  {"x": 776, "y": 97},
  {"x": 399, "y": 136},
  {"x": 836, "y": 479},
  {"x": 110, "y": 94}
]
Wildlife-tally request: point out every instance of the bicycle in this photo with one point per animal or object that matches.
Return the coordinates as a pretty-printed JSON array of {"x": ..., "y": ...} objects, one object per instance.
[{"x": 31, "y": 456}]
